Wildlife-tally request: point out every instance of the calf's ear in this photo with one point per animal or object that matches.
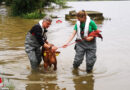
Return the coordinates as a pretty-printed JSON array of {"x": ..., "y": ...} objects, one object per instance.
[{"x": 57, "y": 53}]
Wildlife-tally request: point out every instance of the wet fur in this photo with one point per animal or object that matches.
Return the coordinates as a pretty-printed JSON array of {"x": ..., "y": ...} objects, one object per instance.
[{"x": 49, "y": 59}]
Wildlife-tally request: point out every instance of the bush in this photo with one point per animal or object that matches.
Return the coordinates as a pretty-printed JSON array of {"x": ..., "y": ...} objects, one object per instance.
[
  {"x": 27, "y": 8},
  {"x": 33, "y": 15},
  {"x": 8, "y": 2},
  {"x": 20, "y": 7},
  {"x": 60, "y": 2},
  {"x": 1, "y": 1}
]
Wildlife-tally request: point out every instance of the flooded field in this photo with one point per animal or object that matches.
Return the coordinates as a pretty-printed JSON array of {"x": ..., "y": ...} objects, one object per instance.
[{"x": 111, "y": 71}]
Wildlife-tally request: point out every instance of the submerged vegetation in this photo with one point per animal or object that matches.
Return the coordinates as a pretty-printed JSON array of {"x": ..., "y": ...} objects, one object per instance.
[{"x": 7, "y": 84}]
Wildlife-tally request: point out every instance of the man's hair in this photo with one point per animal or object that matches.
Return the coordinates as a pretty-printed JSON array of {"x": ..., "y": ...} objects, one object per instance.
[
  {"x": 82, "y": 13},
  {"x": 47, "y": 18}
]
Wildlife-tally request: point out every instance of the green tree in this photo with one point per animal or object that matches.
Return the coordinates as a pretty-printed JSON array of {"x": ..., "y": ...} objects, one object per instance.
[
  {"x": 59, "y": 2},
  {"x": 8, "y": 2},
  {"x": 1, "y": 1},
  {"x": 24, "y": 6},
  {"x": 20, "y": 7}
]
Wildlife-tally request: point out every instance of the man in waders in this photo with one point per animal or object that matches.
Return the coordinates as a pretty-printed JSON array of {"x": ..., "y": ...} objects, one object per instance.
[
  {"x": 36, "y": 38},
  {"x": 85, "y": 45}
]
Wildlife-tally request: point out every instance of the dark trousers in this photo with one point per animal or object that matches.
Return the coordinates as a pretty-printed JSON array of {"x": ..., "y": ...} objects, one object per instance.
[{"x": 90, "y": 54}]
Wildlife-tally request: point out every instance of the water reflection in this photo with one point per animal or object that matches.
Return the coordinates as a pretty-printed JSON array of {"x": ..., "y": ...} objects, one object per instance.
[
  {"x": 33, "y": 87},
  {"x": 40, "y": 81},
  {"x": 83, "y": 82}
]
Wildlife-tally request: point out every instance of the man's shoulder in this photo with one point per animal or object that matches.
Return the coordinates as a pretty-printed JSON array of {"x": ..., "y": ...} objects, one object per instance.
[{"x": 37, "y": 26}]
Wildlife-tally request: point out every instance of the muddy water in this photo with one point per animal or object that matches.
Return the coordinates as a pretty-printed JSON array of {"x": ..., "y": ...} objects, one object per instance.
[{"x": 111, "y": 71}]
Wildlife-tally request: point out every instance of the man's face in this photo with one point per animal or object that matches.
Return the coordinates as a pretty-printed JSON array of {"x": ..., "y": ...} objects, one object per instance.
[{"x": 46, "y": 24}]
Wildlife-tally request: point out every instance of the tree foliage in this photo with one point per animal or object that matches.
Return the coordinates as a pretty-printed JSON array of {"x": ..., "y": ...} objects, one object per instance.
[
  {"x": 20, "y": 7},
  {"x": 1, "y": 1},
  {"x": 60, "y": 2},
  {"x": 24, "y": 6}
]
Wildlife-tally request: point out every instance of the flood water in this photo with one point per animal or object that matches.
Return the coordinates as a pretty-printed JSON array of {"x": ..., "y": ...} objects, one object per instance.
[{"x": 111, "y": 70}]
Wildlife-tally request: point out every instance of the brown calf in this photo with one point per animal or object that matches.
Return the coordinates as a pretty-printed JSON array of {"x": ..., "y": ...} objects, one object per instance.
[{"x": 49, "y": 58}]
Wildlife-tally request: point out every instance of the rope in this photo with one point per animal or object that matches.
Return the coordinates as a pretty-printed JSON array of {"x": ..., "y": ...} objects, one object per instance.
[
  {"x": 73, "y": 43},
  {"x": 68, "y": 44}
]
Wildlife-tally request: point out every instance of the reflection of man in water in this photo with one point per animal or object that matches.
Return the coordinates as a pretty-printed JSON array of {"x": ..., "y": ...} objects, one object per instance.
[
  {"x": 41, "y": 82},
  {"x": 83, "y": 82}
]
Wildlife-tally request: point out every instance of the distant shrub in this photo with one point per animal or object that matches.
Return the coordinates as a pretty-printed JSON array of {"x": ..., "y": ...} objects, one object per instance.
[
  {"x": 8, "y": 2},
  {"x": 27, "y": 8},
  {"x": 33, "y": 15},
  {"x": 20, "y": 7},
  {"x": 1, "y": 1},
  {"x": 60, "y": 2}
]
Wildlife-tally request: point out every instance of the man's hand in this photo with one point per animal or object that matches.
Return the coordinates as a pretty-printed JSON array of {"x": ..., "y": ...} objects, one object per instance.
[
  {"x": 46, "y": 45},
  {"x": 54, "y": 48},
  {"x": 89, "y": 38}
]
